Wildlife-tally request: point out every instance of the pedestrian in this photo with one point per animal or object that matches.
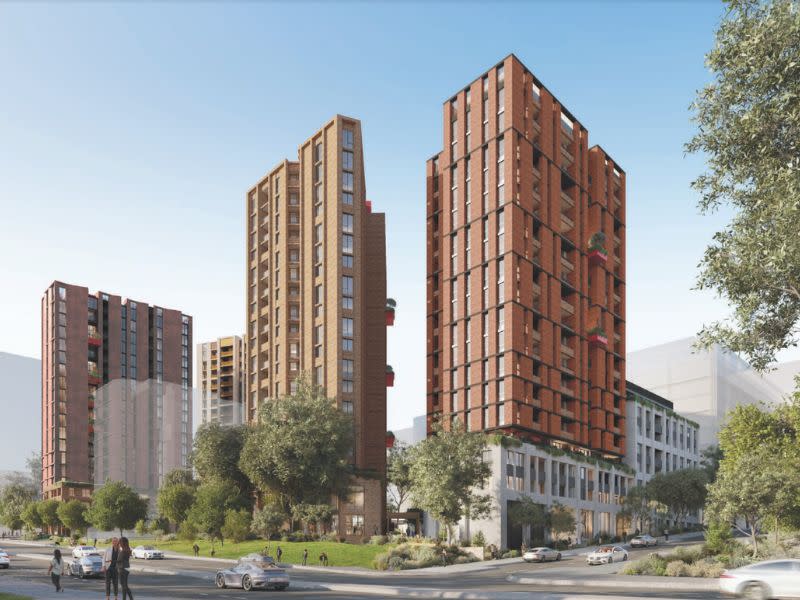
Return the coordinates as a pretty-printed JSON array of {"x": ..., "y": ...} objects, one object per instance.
[
  {"x": 110, "y": 558},
  {"x": 305, "y": 557},
  {"x": 323, "y": 559},
  {"x": 55, "y": 570},
  {"x": 95, "y": 542},
  {"x": 196, "y": 549},
  {"x": 444, "y": 557},
  {"x": 666, "y": 535},
  {"x": 124, "y": 567},
  {"x": 279, "y": 553},
  {"x": 213, "y": 552}
]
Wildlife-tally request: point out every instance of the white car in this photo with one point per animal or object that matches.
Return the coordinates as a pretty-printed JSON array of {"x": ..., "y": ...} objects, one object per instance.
[
  {"x": 5, "y": 561},
  {"x": 79, "y": 551},
  {"x": 541, "y": 555},
  {"x": 643, "y": 541},
  {"x": 147, "y": 552},
  {"x": 759, "y": 581},
  {"x": 603, "y": 555}
]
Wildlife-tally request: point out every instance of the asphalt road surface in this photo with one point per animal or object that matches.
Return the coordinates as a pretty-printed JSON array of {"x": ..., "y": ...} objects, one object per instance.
[{"x": 30, "y": 571}]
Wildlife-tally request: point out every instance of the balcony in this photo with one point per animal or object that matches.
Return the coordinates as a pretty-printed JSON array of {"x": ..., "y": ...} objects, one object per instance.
[
  {"x": 567, "y": 158},
  {"x": 389, "y": 376},
  {"x": 566, "y": 200},
  {"x": 94, "y": 374},
  {"x": 567, "y": 308},
  {"x": 567, "y": 350},
  {"x": 391, "y": 305},
  {"x": 95, "y": 339},
  {"x": 567, "y": 224},
  {"x": 597, "y": 337}
]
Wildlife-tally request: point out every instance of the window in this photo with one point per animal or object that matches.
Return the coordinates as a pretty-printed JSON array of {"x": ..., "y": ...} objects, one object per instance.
[
  {"x": 347, "y": 222},
  {"x": 347, "y": 261},
  {"x": 347, "y": 138},
  {"x": 501, "y": 326},
  {"x": 347, "y": 368},
  {"x": 501, "y": 231},
  {"x": 347, "y": 160},
  {"x": 454, "y": 195},
  {"x": 501, "y": 279},
  {"x": 347, "y": 292},
  {"x": 347, "y": 407},
  {"x": 347, "y": 198},
  {"x": 317, "y": 152},
  {"x": 501, "y": 177},
  {"x": 347, "y": 181},
  {"x": 347, "y": 244},
  {"x": 515, "y": 471},
  {"x": 347, "y": 334}
]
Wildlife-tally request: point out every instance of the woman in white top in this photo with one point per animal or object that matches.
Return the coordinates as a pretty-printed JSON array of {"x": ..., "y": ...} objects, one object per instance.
[{"x": 55, "y": 570}]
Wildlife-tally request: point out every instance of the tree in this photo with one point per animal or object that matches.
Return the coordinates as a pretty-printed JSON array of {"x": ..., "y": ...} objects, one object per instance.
[
  {"x": 748, "y": 122},
  {"x": 116, "y": 506},
  {"x": 398, "y": 475},
  {"x": 34, "y": 464},
  {"x": 13, "y": 500},
  {"x": 237, "y": 525},
  {"x": 176, "y": 495},
  {"x": 268, "y": 520},
  {"x": 710, "y": 458},
  {"x": 313, "y": 515},
  {"x": 207, "y": 514},
  {"x": 72, "y": 515},
  {"x": 141, "y": 527},
  {"x": 30, "y": 517},
  {"x": 448, "y": 475},
  {"x": 299, "y": 450},
  {"x": 682, "y": 492},
  {"x": 217, "y": 452},
  {"x": 561, "y": 519},
  {"x": 525, "y": 512},
  {"x": 48, "y": 513},
  {"x": 637, "y": 506}
]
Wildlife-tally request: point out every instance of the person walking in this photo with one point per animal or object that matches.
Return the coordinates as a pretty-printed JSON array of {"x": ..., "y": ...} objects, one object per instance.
[
  {"x": 124, "y": 567},
  {"x": 279, "y": 553},
  {"x": 56, "y": 569},
  {"x": 110, "y": 557},
  {"x": 196, "y": 549},
  {"x": 666, "y": 535},
  {"x": 95, "y": 542},
  {"x": 305, "y": 557}
]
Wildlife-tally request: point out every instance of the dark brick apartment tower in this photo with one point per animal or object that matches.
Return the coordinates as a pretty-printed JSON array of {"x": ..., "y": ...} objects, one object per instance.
[{"x": 526, "y": 270}]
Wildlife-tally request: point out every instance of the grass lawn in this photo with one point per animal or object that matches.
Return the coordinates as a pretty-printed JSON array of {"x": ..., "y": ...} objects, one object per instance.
[
  {"x": 4, "y": 596},
  {"x": 339, "y": 555}
]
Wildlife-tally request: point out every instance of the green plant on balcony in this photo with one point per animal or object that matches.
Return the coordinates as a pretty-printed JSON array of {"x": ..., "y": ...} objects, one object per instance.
[
  {"x": 597, "y": 244},
  {"x": 598, "y": 331}
]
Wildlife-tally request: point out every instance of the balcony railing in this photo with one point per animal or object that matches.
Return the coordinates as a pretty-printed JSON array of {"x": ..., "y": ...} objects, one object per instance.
[{"x": 567, "y": 224}]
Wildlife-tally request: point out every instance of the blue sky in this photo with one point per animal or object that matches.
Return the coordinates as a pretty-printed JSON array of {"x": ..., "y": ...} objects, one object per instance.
[{"x": 130, "y": 132}]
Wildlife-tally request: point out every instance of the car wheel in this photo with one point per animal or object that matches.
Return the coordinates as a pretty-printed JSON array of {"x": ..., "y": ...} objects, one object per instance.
[
  {"x": 220, "y": 581},
  {"x": 558, "y": 556},
  {"x": 624, "y": 557},
  {"x": 247, "y": 583},
  {"x": 81, "y": 574},
  {"x": 755, "y": 591},
  {"x": 610, "y": 560}
]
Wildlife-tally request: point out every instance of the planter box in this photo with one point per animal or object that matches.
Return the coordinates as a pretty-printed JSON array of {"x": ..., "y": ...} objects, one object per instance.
[
  {"x": 389, "y": 379},
  {"x": 597, "y": 257},
  {"x": 389, "y": 317},
  {"x": 95, "y": 341},
  {"x": 596, "y": 339},
  {"x": 390, "y": 440}
]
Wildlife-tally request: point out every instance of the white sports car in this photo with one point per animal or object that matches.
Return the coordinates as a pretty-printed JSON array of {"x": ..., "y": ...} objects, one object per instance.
[
  {"x": 604, "y": 555},
  {"x": 5, "y": 561},
  {"x": 147, "y": 552},
  {"x": 253, "y": 572},
  {"x": 768, "y": 579},
  {"x": 79, "y": 551},
  {"x": 90, "y": 565}
]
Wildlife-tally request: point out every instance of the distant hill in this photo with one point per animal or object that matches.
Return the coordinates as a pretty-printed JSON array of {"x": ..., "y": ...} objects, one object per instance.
[{"x": 20, "y": 410}]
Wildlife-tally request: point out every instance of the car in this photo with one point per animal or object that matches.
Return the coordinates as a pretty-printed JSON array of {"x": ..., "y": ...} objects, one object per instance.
[
  {"x": 79, "y": 551},
  {"x": 541, "y": 554},
  {"x": 251, "y": 573},
  {"x": 762, "y": 580},
  {"x": 147, "y": 552},
  {"x": 5, "y": 561},
  {"x": 603, "y": 555},
  {"x": 88, "y": 565},
  {"x": 643, "y": 541}
]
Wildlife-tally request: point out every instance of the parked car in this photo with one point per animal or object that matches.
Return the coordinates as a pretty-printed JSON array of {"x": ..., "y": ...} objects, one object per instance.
[
  {"x": 5, "y": 561},
  {"x": 253, "y": 572},
  {"x": 759, "y": 581},
  {"x": 606, "y": 554},
  {"x": 79, "y": 551},
  {"x": 88, "y": 565},
  {"x": 147, "y": 552},
  {"x": 541, "y": 554},
  {"x": 643, "y": 541}
]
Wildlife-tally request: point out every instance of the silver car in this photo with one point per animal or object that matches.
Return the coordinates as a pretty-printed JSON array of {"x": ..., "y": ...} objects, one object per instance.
[
  {"x": 89, "y": 565},
  {"x": 768, "y": 579},
  {"x": 643, "y": 541},
  {"x": 541, "y": 554},
  {"x": 253, "y": 574},
  {"x": 604, "y": 555}
]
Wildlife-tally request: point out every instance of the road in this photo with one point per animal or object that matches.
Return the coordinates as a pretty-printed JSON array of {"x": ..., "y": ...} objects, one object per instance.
[{"x": 189, "y": 582}]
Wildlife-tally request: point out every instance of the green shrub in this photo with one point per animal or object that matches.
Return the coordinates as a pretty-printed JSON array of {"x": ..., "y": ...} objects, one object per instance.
[
  {"x": 718, "y": 538},
  {"x": 187, "y": 531},
  {"x": 510, "y": 554},
  {"x": 677, "y": 568},
  {"x": 479, "y": 539},
  {"x": 654, "y": 564},
  {"x": 687, "y": 555},
  {"x": 396, "y": 563},
  {"x": 378, "y": 540},
  {"x": 706, "y": 568}
]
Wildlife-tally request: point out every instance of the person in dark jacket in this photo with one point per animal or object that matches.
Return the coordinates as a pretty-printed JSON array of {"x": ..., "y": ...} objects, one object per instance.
[
  {"x": 110, "y": 557},
  {"x": 124, "y": 567}
]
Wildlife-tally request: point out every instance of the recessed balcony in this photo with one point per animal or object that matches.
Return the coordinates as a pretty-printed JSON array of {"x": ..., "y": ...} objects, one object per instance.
[
  {"x": 597, "y": 337},
  {"x": 391, "y": 306},
  {"x": 95, "y": 339},
  {"x": 567, "y": 224},
  {"x": 389, "y": 376}
]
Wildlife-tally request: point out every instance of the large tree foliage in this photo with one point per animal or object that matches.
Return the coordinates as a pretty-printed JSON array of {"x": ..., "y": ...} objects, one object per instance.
[
  {"x": 299, "y": 451},
  {"x": 268, "y": 520},
  {"x": 116, "y": 506},
  {"x": 13, "y": 500},
  {"x": 449, "y": 474},
  {"x": 398, "y": 475},
  {"x": 216, "y": 454},
  {"x": 759, "y": 475},
  {"x": 638, "y": 507},
  {"x": 749, "y": 129},
  {"x": 213, "y": 499},
  {"x": 561, "y": 520},
  {"x": 176, "y": 495},
  {"x": 682, "y": 492},
  {"x": 48, "y": 513},
  {"x": 30, "y": 517},
  {"x": 527, "y": 513},
  {"x": 72, "y": 515},
  {"x": 237, "y": 525}
]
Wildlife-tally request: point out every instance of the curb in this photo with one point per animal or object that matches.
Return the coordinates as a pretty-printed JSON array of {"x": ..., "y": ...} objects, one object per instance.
[{"x": 694, "y": 584}]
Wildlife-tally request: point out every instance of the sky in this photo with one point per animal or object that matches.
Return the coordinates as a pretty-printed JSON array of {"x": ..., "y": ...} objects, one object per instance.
[{"x": 130, "y": 132}]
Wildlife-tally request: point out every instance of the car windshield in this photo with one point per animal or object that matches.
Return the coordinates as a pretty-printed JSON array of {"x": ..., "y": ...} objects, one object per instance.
[
  {"x": 540, "y": 549},
  {"x": 147, "y": 548},
  {"x": 605, "y": 549}
]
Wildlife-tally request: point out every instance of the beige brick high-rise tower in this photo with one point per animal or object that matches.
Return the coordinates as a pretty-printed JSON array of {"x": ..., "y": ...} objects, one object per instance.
[
  {"x": 220, "y": 370},
  {"x": 316, "y": 299}
]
